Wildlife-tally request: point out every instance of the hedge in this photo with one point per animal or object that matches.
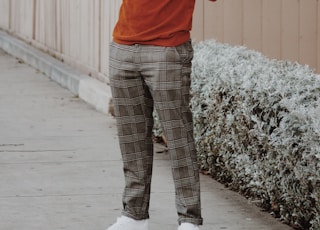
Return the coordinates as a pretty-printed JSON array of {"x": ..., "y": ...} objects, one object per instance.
[{"x": 257, "y": 128}]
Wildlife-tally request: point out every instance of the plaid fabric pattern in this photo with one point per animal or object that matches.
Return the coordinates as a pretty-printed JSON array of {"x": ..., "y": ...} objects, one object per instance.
[{"x": 143, "y": 78}]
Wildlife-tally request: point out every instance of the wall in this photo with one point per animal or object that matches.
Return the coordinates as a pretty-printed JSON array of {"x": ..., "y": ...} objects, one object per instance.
[{"x": 78, "y": 31}]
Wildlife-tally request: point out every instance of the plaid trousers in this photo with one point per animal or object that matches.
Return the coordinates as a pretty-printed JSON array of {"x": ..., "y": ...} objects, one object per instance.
[{"x": 143, "y": 78}]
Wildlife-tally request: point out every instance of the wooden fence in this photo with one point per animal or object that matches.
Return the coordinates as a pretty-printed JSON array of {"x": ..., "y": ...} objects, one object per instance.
[
  {"x": 79, "y": 31},
  {"x": 75, "y": 31},
  {"x": 281, "y": 29}
]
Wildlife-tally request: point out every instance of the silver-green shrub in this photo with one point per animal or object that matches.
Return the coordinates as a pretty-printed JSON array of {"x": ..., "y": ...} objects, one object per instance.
[{"x": 257, "y": 128}]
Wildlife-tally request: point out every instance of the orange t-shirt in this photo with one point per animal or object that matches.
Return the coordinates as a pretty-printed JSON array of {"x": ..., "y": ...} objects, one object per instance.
[{"x": 154, "y": 22}]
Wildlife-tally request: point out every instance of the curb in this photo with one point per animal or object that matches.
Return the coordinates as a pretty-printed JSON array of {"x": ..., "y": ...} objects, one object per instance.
[{"x": 92, "y": 91}]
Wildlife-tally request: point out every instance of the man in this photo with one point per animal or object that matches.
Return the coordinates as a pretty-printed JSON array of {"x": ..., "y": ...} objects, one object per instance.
[{"x": 150, "y": 66}]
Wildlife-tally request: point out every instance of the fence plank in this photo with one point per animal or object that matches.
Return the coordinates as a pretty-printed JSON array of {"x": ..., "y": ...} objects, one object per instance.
[
  {"x": 252, "y": 24},
  {"x": 64, "y": 26},
  {"x": 13, "y": 15},
  {"x": 233, "y": 22},
  {"x": 105, "y": 35},
  {"x": 308, "y": 33},
  {"x": 318, "y": 38},
  {"x": 290, "y": 30},
  {"x": 213, "y": 20},
  {"x": 46, "y": 21},
  {"x": 4, "y": 14},
  {"x": 110, "y": 11},
  {"x": 75, "y": 38},
  {"x": 197, "y": 32},
  {"x": 21, "y": 20},
  {"x": 59, "y": 26},
  {"x": 271, "y": 28}
]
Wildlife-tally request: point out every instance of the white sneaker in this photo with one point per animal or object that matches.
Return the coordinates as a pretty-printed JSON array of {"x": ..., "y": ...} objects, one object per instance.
[
  {"x": 127, "y": 223},
  {"x": 188, "y": 226}
]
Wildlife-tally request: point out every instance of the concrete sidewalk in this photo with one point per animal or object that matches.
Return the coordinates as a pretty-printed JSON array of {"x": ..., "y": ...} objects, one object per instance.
[{"x": 60, "y": 165}]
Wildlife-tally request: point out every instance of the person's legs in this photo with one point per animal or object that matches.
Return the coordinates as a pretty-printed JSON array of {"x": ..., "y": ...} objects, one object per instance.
[
  {"x": 135, "y": 72},
  {"x": 133, "y": 110},
  {"x": 166, "y": 71}
]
